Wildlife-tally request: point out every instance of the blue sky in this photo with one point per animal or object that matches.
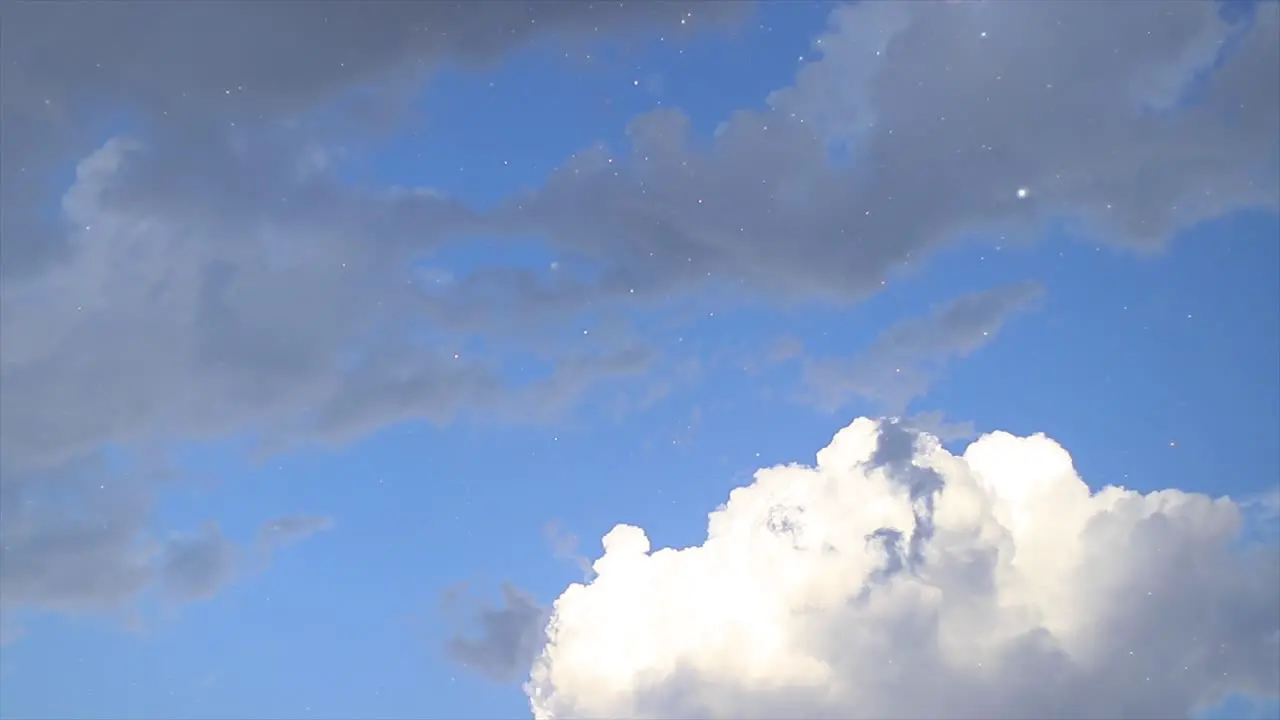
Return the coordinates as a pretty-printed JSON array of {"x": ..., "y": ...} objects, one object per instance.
[{"x": 1152, "y": 357}]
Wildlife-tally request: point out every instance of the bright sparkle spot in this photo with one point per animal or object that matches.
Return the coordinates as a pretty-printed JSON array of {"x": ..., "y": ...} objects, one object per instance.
[{"x": 1023, "y": 193}]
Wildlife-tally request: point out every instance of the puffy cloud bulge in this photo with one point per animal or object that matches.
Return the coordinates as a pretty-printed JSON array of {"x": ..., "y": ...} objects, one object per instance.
[{"x": 894, "y": 579}]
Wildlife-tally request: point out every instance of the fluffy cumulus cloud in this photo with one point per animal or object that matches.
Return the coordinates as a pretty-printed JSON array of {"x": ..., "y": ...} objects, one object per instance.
[{"x": 893, "y": 579}]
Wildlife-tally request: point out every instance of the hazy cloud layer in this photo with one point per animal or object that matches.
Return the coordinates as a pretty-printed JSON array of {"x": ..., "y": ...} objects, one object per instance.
[
  {"x": 893, "y": 579},
  {"x": 207, "y": 274},
  {"x": 901, "y": 364}
]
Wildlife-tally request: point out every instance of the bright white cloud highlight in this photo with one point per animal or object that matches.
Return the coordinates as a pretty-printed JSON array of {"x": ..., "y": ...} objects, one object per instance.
[{"x": 896, "y": 580}]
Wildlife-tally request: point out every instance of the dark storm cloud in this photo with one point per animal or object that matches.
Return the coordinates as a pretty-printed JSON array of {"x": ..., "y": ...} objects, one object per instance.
[{"x": 903, "y": 362}]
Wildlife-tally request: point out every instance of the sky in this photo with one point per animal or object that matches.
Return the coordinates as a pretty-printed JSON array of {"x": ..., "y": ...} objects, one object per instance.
[{"x": 662, "y": 360}]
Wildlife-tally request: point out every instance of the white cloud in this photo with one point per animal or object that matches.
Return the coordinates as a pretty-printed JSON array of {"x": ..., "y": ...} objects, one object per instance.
[{"x": 894, "y": 579}]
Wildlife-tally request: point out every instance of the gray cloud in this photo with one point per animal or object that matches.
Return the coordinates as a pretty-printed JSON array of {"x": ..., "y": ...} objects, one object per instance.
[
  {"x": 564, "y": 545},
  {"x": 902, "y": 363},
  {"x": 288, "y": 56},
  {"x": 210, "y": 276},
  {"x": 225, "y": 177},
  {"x": 74, "y": 539},
  {"x": 213, "y": 276},
  {"x": 291, "y": 529},
  {"x": 196, "y": 566},
  {"x": 1131, "y": 119},
  {"x": 193, "y": 62},
  {"x": 936, "y": 423},
  {"x": 79, "y": 540},
  {"x": 510, "y": 637}
]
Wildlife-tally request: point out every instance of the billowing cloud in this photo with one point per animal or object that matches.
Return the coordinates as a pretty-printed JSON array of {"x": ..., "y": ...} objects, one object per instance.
[
  {"x": 893, "y": 579},
  {"x": 902, "y": 362}
]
